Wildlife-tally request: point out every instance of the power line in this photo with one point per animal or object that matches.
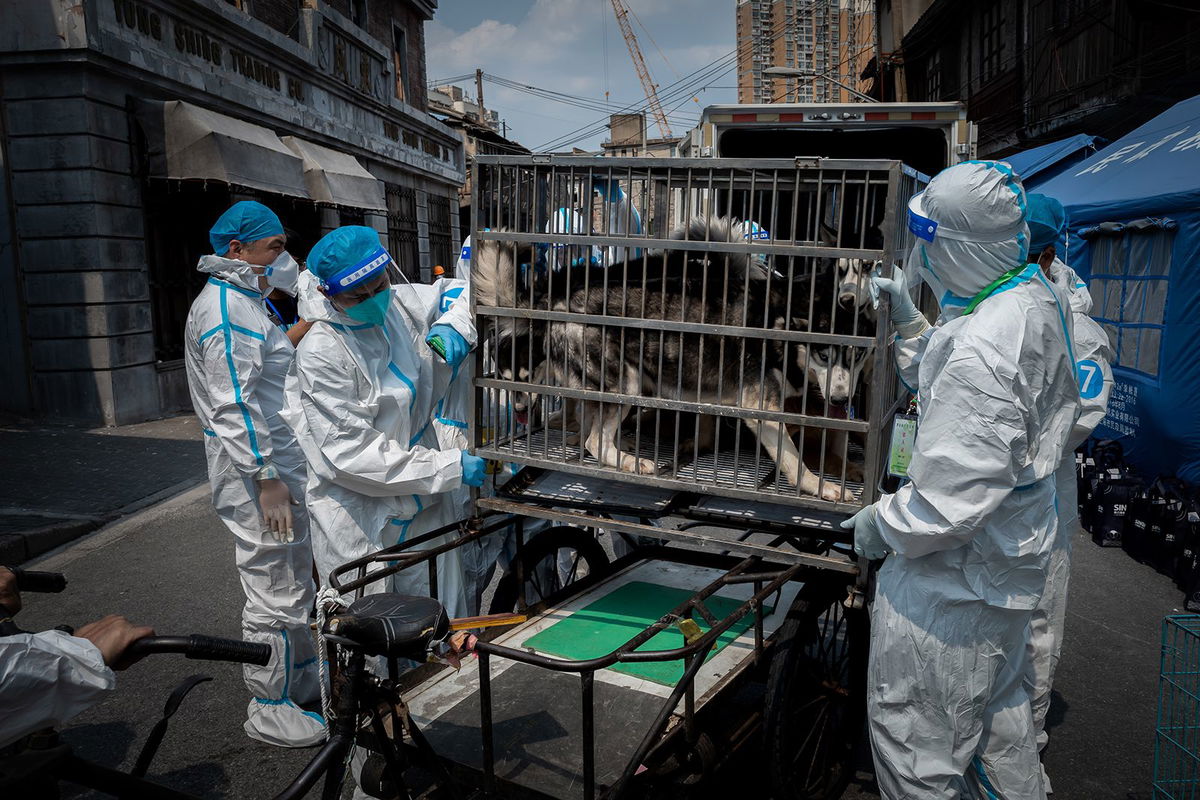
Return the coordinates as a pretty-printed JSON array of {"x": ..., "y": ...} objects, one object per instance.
[{"x": 708, "y": 72}]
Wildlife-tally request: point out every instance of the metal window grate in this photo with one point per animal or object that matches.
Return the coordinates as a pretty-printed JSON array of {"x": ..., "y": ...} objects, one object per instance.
[
  {"x": 402, "y": 229},
  {"x": 640, "y": 334},
  {"x": 1177, "y": 735},
  {"x": 440, "y": 245}
]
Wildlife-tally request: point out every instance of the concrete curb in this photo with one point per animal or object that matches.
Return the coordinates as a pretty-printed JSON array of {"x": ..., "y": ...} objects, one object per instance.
[{"x": 21, "y": 546}]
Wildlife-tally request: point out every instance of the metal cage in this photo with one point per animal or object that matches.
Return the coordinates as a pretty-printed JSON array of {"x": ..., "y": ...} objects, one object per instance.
[
  {"x": 1177, "y": 737},
  {"x": 702, "y": 325}
]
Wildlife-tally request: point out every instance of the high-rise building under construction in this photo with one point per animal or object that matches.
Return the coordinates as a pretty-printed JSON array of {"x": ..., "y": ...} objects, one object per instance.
[{"x": 829, "y": 41}]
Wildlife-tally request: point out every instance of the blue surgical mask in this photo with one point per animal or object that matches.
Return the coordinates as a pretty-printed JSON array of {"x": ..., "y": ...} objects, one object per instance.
[{"x": 373, "y": 310}]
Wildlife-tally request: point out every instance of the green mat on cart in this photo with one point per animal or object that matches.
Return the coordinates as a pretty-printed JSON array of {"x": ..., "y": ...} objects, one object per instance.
[{"x": 603, "y": 626}]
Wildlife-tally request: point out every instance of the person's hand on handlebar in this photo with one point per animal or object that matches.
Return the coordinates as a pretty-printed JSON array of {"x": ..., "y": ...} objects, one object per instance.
[
  {"x": 10, "y": 597},
  {"x": 112, "y": 635}
]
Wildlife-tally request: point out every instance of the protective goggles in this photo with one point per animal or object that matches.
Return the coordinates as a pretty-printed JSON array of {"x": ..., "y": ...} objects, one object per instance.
[{"x": 357, "y": 274}]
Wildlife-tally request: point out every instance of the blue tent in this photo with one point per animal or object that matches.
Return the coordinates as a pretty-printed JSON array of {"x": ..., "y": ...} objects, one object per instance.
[
  {"x": 1039, "y": 164},
  {"x": 1134, "y": 234}
]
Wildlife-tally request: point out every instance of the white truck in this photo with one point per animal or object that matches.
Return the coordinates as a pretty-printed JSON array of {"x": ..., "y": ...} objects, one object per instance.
[{"x": 926, "y": 136}]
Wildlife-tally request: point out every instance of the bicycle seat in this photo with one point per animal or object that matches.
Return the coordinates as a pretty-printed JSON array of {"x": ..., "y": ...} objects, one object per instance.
[{"x": 392, "y": 625}]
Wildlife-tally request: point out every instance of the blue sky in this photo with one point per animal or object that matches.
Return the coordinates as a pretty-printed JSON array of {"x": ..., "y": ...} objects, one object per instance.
[{"x": 575, "y": 47}]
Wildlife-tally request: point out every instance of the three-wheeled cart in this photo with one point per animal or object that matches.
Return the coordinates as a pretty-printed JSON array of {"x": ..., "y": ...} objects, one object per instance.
[{"x": 725, "y": 610}]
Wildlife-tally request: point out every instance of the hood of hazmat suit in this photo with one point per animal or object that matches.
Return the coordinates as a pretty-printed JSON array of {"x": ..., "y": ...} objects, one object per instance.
[
  {"x": 365, "y": 402},
  {"x": 971, "y": 530}
]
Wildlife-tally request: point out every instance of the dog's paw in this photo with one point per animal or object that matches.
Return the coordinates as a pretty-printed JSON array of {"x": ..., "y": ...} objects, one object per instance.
[
  {"x": 835, "y": 493},
  {"x": 854, "y": 472},
  {"x": 573, "y": 439},
  {"x": 638, "y": 466}
]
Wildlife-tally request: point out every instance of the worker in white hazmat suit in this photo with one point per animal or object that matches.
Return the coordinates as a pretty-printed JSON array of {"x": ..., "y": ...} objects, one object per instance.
[
  {"x": 1047, "y": 221},
  {"x": 618, "y": 212},
  {"x": 237, "y": 361},
  {"x": 970, "y": 533},
  {"x": 49, "y": 677},
  {"x": 364, "y": 400}
]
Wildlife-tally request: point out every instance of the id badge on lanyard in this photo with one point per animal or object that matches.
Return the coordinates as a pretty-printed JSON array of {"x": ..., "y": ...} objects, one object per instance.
[{"x": 904, "y": 436}]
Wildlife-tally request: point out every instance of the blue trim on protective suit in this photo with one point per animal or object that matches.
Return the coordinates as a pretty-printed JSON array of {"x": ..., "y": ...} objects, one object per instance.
[
  {"x": 209, "y": 432},
  {"x": 447, "y": 421},
  {"x": 412, "y": 389},
  {"x": 420, "y": 434},
  {"x": 248, "y": 332},
  {"x": 238, "y": 289},
  {"x": 343, "y": 328},
  {"x": 984, "y": 781},
  {"x": 306, "y": 663},
  {"x": 403, "y": 524},
  {"x": 210, "y": 332},
  {"x": 1061, "y": 317},
  {"x": 237, "y": 387}
]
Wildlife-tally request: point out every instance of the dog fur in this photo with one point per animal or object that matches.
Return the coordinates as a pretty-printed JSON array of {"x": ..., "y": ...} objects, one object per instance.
[{"x": 717, "y": 288}]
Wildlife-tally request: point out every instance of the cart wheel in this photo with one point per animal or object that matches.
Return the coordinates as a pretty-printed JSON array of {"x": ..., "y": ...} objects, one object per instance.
[
  {"x": 816, "y": 700},
  {"x": 550, "y": 562}
]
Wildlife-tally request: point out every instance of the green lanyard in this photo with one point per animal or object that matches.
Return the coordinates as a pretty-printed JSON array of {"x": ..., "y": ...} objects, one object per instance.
[{"x": 991, "y": 288}]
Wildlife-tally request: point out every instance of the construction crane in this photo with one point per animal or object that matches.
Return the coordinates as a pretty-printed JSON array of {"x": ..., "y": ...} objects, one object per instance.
[{"x": 639, "y": 64}]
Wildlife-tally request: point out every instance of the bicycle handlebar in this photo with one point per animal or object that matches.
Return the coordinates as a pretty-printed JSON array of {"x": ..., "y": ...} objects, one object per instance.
[
  {"x": 31, "y": 581},
  {"x": 206, "y": 648}
]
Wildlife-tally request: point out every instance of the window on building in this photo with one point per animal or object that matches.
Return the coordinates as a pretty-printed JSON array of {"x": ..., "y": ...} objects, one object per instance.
[
  {"x": 991, "y": 38},
  {"x": 400, "y": 60},
  {"x": 358, "y": 12},
  {"x": 440, "y": 243},
  {"x": 402, "y": 229},
  {"x": 933, "y": 76},
  {"x": 1131, "y": 267}
]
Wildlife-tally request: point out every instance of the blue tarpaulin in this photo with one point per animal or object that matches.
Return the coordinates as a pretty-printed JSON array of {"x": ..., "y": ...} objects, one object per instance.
[
  {"x": 1134, "y": 234},
  {"x": 1039, "y": 164}
]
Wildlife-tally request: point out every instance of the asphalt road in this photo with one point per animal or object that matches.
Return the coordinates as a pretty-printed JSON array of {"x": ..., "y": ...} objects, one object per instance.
[{"x": 171, "y": 566}]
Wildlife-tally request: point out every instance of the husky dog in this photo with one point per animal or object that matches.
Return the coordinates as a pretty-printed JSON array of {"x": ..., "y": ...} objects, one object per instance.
[{"x": 710, "y": 368}]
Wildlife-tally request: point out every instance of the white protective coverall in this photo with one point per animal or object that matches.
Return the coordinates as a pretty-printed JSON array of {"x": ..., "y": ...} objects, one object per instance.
[
  {"x": 46, "y": 679},
  {"x": 237, "y": 362},
  {"x": 971, "y": 532},
  {"x": 1094, "y": 355},
  {"x": 365, "y": 401}
]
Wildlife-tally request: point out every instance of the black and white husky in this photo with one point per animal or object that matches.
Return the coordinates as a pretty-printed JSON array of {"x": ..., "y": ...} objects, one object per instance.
[{"x": 710, "y": 367}]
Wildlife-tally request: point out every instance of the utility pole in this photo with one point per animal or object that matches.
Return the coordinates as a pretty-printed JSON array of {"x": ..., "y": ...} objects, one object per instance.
[{"x": 479, "y": 96}]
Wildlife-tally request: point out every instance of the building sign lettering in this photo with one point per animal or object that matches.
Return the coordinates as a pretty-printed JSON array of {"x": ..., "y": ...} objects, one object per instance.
[
  {"x": 355, "y": 66},
  {"x": 195, "y": 42},
  {"x": 138, "y": 17},
  {"x": 190, "y": 40}
]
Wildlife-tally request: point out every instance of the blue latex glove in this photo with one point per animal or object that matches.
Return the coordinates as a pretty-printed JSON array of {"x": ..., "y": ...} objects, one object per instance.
[
  {"x": 868, "y": 541},
  {"x": 454, "y": 347},
  {"x": 906, "y": 319},
  {"x": 474, "y": 469}
]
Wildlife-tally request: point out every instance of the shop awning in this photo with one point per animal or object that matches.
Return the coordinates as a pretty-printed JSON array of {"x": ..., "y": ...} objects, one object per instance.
[
  {"x": 335, "y": 177},
  {"x": 189, "y": 142}
]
